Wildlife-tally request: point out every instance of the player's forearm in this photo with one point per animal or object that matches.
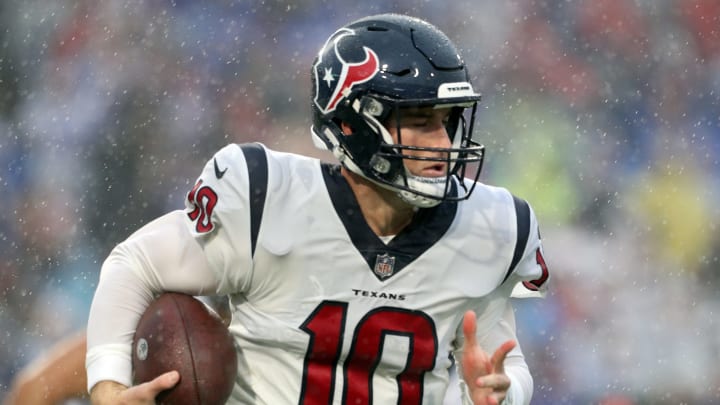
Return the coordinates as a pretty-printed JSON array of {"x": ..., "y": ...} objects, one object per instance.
[
  {"x": 521, "y": 383},
  {"x": 161, "y": 256},
  {"x": 119, "y": 301},
  {"x": 55, "y": 376},
  {"x": 515, "y": 366},
  {"x": 106, "y": 392},
  {"x": 36, "y": 389}
]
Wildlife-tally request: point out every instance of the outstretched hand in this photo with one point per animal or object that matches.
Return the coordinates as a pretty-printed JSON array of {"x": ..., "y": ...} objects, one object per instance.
[{"x": 485, "y": 376}]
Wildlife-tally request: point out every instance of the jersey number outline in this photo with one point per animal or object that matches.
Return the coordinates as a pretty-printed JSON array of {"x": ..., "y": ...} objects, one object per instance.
[
  {"x": 326, "y": 327},
  {"x": 534, "y": 285},
  {"x": 202, "y": 199}
]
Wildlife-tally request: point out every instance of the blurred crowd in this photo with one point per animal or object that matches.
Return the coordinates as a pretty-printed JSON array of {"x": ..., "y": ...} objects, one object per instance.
[{"x": 604, "y": 114}]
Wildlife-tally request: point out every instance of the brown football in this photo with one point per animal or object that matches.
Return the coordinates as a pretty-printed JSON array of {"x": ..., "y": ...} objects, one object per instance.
[{"x": 178, "y": 332}]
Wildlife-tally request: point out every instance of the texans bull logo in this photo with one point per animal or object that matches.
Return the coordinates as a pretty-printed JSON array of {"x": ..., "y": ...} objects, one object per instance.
[{"x": 335, "y": 76}]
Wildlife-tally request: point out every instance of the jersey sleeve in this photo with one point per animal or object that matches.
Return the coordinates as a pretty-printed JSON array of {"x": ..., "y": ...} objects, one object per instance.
[
  {"x": 219, "y": 215},
  {"x": 160, "y": 256},
  {"x": 530, "y": 275}
]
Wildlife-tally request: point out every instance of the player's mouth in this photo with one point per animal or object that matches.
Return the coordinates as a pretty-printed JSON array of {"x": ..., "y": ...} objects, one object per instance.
[{"x": 435, "y": 170}]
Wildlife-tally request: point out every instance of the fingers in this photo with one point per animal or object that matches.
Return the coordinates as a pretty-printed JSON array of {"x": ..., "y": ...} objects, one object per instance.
[
  {"x": 151, "y": 389},
  {"x": 469, "y": 329},
  {"x": 489, "y": 383},
  {"x": 496, "y": 382},
  {"x": 472, "y": 349},
  {"x": 490, "y": 389},
  {"x": 165, "y": 381},
  {"x": 498, "y": 358},
  {"x": 486, "y": 397},
  {"x": 106, "y": 392},
  {"x": 475, "y": 360}
]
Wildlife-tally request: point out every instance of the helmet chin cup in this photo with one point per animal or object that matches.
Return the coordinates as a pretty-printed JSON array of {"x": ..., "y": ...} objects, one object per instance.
[
  {"x": 417, "y": 200},
  {"x": 429, "y": 187}
]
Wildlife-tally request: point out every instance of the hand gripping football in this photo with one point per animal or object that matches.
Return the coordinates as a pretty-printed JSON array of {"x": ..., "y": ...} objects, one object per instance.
[{"x": 178, "y": 332}]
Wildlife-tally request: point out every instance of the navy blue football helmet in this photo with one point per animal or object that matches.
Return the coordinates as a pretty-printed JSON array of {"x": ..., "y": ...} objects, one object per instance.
[{"x": 369, "y": 71}]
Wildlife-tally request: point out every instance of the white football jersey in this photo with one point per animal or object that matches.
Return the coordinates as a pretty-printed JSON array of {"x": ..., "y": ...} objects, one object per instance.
[{"x": 323, "y": 310}]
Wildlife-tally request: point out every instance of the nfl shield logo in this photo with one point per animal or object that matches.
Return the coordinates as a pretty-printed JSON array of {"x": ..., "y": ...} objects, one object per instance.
[{"x": 384, "y": 265}]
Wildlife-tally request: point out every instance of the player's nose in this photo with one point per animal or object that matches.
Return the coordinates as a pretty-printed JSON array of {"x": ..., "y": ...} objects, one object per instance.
[{"x": 439, "y": 137}]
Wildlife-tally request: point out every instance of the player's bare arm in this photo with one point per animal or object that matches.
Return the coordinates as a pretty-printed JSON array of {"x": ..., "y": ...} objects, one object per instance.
[{"x": 53, "y": 377}]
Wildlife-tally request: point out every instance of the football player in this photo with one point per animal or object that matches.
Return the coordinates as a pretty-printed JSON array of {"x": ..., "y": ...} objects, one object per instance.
[{"x": 349, "y": 283}]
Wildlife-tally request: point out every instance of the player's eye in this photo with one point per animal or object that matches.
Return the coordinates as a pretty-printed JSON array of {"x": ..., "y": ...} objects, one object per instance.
[
  {"x": 418, "y": 122},
  {"x": 415, "y": 120}
]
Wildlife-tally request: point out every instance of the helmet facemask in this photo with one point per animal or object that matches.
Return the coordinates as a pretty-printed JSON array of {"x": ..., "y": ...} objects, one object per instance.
[{"x": 371, "y": 151}]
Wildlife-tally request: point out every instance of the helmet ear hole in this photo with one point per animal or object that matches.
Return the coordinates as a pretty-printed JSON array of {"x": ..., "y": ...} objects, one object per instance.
[{"x": 346, "y": 128}]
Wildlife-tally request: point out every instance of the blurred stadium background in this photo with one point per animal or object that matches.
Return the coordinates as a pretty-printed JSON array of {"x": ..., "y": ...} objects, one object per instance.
[{"x": 604, "y": 114}]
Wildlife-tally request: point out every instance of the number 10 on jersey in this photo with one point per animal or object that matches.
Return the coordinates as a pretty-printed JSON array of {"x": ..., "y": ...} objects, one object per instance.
[{"x": 326, "y": 327}]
